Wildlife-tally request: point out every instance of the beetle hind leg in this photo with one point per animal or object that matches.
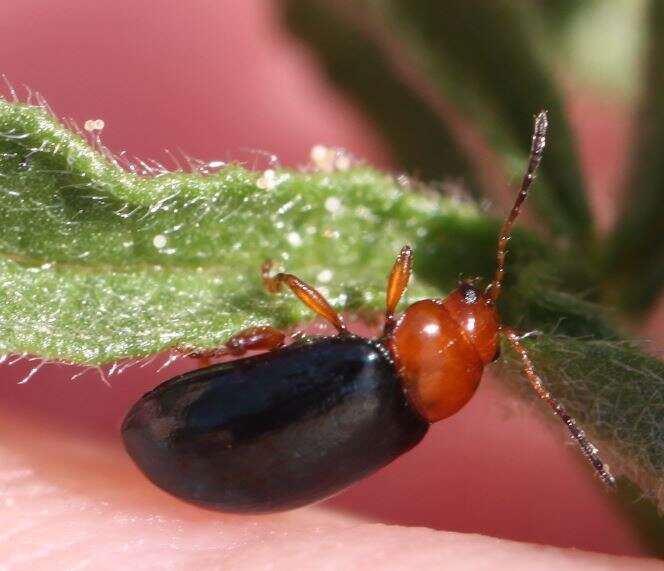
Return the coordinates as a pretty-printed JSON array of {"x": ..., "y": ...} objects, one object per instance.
[{"x": 261, "y": 338}]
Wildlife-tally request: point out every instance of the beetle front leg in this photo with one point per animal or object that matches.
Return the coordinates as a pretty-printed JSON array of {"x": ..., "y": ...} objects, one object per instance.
[{"x": 396, "y": 285}]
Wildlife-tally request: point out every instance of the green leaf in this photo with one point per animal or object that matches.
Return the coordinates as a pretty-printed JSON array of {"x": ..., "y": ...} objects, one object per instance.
[
  {"x": 97, "y": 263},
  {"x": 635, "y": 260},
  {"x": 616, "y": 393},
  {"x": 354, "y": 61}
]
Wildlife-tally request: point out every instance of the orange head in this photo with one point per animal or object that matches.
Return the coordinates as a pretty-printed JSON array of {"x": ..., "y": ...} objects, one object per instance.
[{"x": 440, "y": 347}]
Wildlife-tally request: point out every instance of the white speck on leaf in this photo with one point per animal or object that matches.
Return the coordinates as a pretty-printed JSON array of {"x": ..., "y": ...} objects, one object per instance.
[
  {"x": 294, "y": 239},
  {"x": 159, "y": 241},
  {"x": 325, "y": 276},
  {"x": 267, "y": 181},
  {"x": 333, "y": 205}
]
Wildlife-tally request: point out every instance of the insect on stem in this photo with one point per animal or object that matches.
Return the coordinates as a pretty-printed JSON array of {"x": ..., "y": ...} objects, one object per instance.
[
  {"x": 536, "y": 152},
  {"x": 318, "y": 416}
]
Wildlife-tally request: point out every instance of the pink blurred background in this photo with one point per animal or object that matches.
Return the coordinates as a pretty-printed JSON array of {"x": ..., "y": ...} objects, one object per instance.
[{"x": 219, "y": 80}]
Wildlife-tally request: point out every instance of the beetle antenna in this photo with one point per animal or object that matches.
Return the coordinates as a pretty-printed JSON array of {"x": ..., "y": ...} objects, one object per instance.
[
  {"x": 588, "y": 449},
  {"x": 536, "y": 152}
]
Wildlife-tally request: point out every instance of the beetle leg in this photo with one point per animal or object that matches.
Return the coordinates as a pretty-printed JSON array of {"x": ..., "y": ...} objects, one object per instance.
[
  {"x": 396, "y": 285},
  {"x": 263, "y": 337},
  {"x": 312, "y": 298},
  {"x": 589, "y": 450}
]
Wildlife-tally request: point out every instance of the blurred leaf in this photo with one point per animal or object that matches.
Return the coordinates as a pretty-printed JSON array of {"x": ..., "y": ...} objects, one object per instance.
[
  {"x": 616, "y": 393},
  {"x": 601, "y": 47},
  {"x": 645, "y": 517},
  {"x": 556, "y": 13},
  {"x": 484, "y": 61},
  {"x": 420, "y": 143},
  {"x": 535, "y": 305},
  {"x": 635, "y": 261},
  {"x": 480, "y": 57}
]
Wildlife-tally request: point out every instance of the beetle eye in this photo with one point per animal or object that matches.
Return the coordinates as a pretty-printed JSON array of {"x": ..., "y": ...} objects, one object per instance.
[{"x": 469, "y": 293}]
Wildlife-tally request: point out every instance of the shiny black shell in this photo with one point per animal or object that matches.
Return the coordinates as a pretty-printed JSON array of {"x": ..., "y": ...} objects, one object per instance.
[{"x": 275, "y": 431}]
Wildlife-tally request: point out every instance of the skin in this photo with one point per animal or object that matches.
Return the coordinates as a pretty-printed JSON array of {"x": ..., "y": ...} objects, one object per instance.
[{"x": 78, "y": 503}]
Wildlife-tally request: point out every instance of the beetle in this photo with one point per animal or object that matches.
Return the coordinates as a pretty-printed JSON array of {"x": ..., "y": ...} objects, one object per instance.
[{"x": 298, "y": 423}]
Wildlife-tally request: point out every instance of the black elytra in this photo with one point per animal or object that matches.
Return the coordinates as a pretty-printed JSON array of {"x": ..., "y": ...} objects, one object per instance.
[{"x": 274, "y": 431}]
